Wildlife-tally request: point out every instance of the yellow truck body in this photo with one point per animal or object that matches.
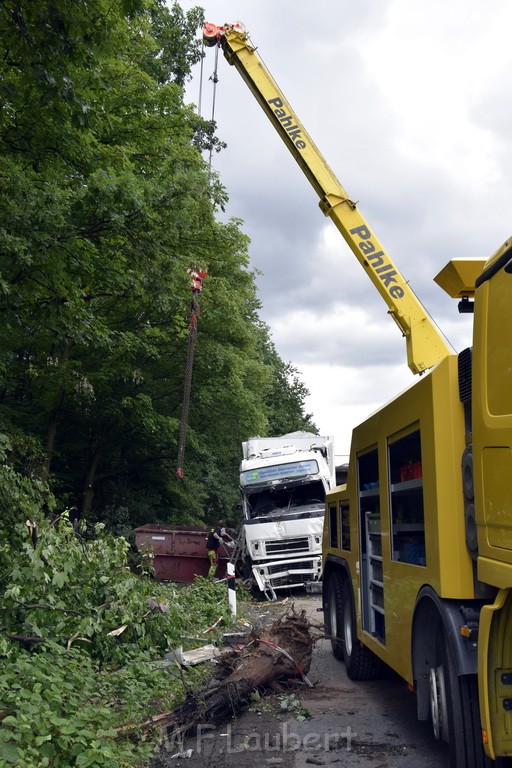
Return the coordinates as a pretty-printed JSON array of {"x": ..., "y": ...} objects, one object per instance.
[{"x": 417, "y": 545}]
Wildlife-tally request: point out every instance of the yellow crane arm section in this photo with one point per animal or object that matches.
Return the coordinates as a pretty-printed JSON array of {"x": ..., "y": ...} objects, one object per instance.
[{"x": 425, "y": 344}]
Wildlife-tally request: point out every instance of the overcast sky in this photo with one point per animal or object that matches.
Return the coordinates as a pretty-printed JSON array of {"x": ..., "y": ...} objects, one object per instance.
[{"x": 409, "y": 102}]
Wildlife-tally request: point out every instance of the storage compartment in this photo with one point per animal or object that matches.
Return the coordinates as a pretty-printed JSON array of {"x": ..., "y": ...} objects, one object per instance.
[
  {"x": 345, "y": 527},
  {"x": 412, "y": 550},
  {"x": 406, "y": 500},
  {"x": 411, "y": 471}
]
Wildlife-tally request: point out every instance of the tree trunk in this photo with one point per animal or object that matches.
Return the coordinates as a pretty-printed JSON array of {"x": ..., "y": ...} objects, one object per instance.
[
  {"x": 281, "y": 651},
  {"x": 50, "y": 442},
  {"x": 90, "y": 478},
  {"x": 51, "y": 432}
]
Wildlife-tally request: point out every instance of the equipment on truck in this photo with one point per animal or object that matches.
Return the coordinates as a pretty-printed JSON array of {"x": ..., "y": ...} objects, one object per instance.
[
  {"x": 417, "y": 548},
  {"x": 425, "y": 344},
  {"x": 284, "y": 481}
]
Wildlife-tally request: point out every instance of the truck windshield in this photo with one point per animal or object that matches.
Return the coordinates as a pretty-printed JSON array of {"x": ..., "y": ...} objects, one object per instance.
[
  {"x": 274, "y": 502},
  {"x": 293, "y": 469}
]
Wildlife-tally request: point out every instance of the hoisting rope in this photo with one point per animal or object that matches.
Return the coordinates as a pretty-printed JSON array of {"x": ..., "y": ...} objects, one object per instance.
[
  {"x": 201, "y": 72},
  {"x": 215, "y": 79},
  {"x": 197, "y": 275}
]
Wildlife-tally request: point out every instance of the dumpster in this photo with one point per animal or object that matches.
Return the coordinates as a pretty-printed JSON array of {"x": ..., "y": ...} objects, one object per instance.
[{"x": 179, "y": 551}]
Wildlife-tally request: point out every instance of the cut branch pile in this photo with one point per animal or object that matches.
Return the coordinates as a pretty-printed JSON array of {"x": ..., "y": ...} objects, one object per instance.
[{"x": 277, "y": 653}]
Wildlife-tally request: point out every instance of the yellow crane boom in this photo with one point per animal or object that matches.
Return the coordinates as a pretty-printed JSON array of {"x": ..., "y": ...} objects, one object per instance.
[{"x": 424, "y": 343}]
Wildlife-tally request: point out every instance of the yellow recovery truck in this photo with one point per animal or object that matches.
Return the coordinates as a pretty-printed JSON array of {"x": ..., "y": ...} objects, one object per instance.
[{"x": 417, "y": 548}]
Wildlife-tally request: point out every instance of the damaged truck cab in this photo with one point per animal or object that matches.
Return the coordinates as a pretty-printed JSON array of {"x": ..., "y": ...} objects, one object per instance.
[{"x": 284, "y": 481}]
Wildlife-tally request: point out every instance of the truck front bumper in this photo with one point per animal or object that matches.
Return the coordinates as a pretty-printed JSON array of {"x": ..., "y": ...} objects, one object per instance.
[{"x": 285, "y": 574}]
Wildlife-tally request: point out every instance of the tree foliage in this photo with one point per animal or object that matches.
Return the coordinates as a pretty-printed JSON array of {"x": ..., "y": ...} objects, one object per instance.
[
  {"x": 105, "y": 200},
  {"x": 82, "y": 638}
]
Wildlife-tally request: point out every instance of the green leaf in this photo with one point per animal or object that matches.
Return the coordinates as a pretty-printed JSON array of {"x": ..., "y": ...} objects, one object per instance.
[
  {"x": 10, "y": 720},
  {"x": 9, "y": 752},
  {"x": 59, "y": 579}
]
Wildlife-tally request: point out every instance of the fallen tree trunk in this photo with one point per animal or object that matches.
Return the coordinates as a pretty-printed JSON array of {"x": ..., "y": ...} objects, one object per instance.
[{"x": 279, "y": 652}]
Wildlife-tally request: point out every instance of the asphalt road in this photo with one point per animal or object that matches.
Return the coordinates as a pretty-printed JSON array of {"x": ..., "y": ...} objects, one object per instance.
[
  {"x": 364, "y": 724},
  {"x": 375, "y": 721}
]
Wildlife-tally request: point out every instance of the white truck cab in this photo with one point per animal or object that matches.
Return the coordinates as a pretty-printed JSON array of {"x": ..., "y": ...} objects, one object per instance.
[{"x": 283, "y": 482}]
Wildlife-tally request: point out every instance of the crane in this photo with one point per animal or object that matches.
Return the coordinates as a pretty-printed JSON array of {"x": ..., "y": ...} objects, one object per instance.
[{"x": 425, "y": 345}]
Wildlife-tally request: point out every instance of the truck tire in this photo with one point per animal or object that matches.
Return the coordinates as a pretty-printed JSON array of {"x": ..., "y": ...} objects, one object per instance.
[
  {"x": 334, "y": 618},
  {"x": 455, "y": 712},
  {"x": 360, "y": 662}
]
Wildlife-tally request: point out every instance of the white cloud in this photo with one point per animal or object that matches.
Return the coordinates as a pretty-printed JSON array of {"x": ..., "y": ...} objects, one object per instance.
[{"x": 409, "y": 104}]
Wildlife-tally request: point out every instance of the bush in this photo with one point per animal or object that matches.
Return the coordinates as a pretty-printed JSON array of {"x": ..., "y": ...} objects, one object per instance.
[
  {"x": 22, "y": 495},
  {"x": 82, "y": 637}
]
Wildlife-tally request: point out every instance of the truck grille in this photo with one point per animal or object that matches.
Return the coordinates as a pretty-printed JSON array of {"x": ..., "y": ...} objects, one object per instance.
[
  {"x": 292, "y": 579},
  {"x": 301, "y": 565},
  {"x": 300, "y": 544}
]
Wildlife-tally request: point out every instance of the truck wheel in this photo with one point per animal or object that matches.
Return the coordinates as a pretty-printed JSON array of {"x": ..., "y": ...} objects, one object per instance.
[
  {"x": 455, "y": 712},
  {"x": 361, "y": 663},
  {"x": 334, "y": 623}
]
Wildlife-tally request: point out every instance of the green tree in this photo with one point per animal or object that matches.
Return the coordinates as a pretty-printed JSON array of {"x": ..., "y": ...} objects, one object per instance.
[
  {"x": 102, "y": 188},
  {"x": 105, "y": 200}
]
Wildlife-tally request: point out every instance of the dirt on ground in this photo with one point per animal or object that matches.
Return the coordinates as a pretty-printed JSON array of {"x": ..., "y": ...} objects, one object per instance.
[
  {"x": 326, "y": 719},
  {"x": 251, "y": 730}
]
